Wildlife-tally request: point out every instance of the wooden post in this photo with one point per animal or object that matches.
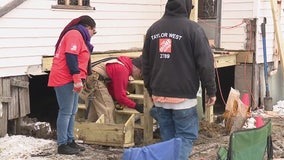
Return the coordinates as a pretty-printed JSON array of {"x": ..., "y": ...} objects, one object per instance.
[
  {"x": 67, "y": 2},
  {"x": 278, "y": 32},
  {"x": 80, "y": 2},
  {"x": 148, "y": 120},
  {"x": 209, "y": 114},
  {"x": 194, "y": 11},
  {"x": 4, "y": 99}
]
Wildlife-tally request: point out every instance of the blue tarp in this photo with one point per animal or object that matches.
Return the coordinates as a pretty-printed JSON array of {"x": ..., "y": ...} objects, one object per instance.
[{"x": 167, "y": 150}]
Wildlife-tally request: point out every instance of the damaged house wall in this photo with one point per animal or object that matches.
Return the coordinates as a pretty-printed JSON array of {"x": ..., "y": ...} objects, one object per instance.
[{"x": 237, "y": 34}]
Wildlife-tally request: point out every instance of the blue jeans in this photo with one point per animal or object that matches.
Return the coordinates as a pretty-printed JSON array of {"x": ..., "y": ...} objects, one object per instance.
[
  {"x": 68, "y": 106},
  {"x": 179, "y": 123}
]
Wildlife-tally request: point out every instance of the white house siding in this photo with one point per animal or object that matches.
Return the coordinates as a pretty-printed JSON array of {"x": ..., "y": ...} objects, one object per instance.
[
  {"x": 264, "y": 10},
  {"x": 233, "y": 12},
  {"x": 30, "y": 31}
]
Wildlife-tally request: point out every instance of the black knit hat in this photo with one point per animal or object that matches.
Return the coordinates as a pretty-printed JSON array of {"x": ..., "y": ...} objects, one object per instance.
[{"x": 137, "y": 62}]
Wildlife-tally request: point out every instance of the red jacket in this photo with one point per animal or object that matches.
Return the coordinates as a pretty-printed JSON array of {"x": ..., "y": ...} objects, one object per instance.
[{"x": 119, "y": 75}]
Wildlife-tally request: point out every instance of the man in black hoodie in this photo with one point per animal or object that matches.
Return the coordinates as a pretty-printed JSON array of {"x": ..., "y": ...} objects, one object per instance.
[{"x": 176, "y": 57}]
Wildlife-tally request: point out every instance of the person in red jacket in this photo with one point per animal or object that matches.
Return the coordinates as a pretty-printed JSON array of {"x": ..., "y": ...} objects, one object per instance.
[
  {"x": 109, "y": 82},
  {"x": 71, "y": 65}
]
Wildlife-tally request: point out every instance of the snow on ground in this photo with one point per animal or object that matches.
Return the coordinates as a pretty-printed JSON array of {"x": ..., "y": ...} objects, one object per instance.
[{"x": 19, "y": 147}]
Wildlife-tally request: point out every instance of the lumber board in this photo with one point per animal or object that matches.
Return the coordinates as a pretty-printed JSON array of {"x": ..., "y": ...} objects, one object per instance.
[
  {"x": 5, "y": 99},
  {"x": 278, "y": 32},
  {"x": 147, "y": 120},
  {"x": 82, "y": 106},
  {"x": 136, "y": 96},
  {"x": 222, "y": 60},
  {"x": 17, "y": 82},
  {"x": 107, "y": 134},
  {"x": 24, "y": 99},
  {"x": 244, "y": 57},
  {"x": 127, "y": 110},
  {"x": 3, "y": 111},
  {"x": 225, "y": 60},
  {"x": 47, "y": 61},
  {"x": 139, "y": 82},
  {"x": 209, "y": 114}
]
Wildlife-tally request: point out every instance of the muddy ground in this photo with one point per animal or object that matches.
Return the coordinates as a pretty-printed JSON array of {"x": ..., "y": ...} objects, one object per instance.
[{"x": 211, "y": 137}]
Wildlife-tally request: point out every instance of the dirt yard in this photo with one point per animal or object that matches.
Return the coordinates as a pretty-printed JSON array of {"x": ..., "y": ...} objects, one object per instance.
[{"x": 211, "y": 137}]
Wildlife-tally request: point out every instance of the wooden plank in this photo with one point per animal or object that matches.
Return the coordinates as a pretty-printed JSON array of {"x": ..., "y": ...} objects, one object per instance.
[
  {"x": 225, "y": 60},
  {"x": 278, "y": 33},
  {"x": 14, "y": 108},
  {"x": 19, "y": 83},
  {"x": 3, "y": 111},
  {"x": 47, "y": 61},
  {"x": 3, "y": 119},
  {"x": 5, "y": 99},
  {"x": 24, "y": 98},
  {"x": 148, "y": 120},
  {"x": 194, "y": 11},
  {"x": 138, "y": 82},
  {"x": 127, "y": 110},
  {"x": 10, "y": 6},
  {"x": 209, "y": 114},
  {"x": 106, "y": 134},
  {"x": 136, "y": 96},
  {"x": 245, "y": 57},
  {"x": 72, "y": 7},
  {"x": 82, "y": 106}
]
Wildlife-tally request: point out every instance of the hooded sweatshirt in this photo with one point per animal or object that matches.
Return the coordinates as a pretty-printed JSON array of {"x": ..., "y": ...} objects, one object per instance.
[
  {"x": 176, "y": 55},
  {"x": 119, "y": 74}
]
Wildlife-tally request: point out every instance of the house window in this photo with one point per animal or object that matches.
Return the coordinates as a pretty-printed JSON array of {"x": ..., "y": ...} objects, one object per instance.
[
  {"x": 207, "y": 9},
  {"x": 73, "y": 4}
]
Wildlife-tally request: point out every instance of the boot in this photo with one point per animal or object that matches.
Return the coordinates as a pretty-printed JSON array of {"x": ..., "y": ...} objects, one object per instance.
[
  {"x": 66, "y": 149},
  {"x": 73, "y": 144}
]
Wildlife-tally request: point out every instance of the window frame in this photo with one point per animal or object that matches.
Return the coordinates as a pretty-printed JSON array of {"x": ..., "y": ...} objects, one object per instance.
[{"x": 67, "y": 5}]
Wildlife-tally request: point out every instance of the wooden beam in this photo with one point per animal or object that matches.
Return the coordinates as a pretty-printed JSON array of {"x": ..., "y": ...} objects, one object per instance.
[
  {"x": 5, "y": 99},
  {"x": 10, "y": 6},
  {"x": 221, "y": 60},
  {"x": 209, "y": 114},
  {"x": 225, "y": 60},
  {"x": 245, "y": 57},
  {"x": 47, "y": 61},
  {"x": 19, "y": 83},
  {"x": 278, "y": 32},
  {"x": 194, "y": 11}
]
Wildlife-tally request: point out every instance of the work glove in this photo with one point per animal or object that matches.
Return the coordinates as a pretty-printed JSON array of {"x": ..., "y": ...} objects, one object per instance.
[
  {"x": 139, "y": 108},
  {"x": 78, "y": 85}
]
